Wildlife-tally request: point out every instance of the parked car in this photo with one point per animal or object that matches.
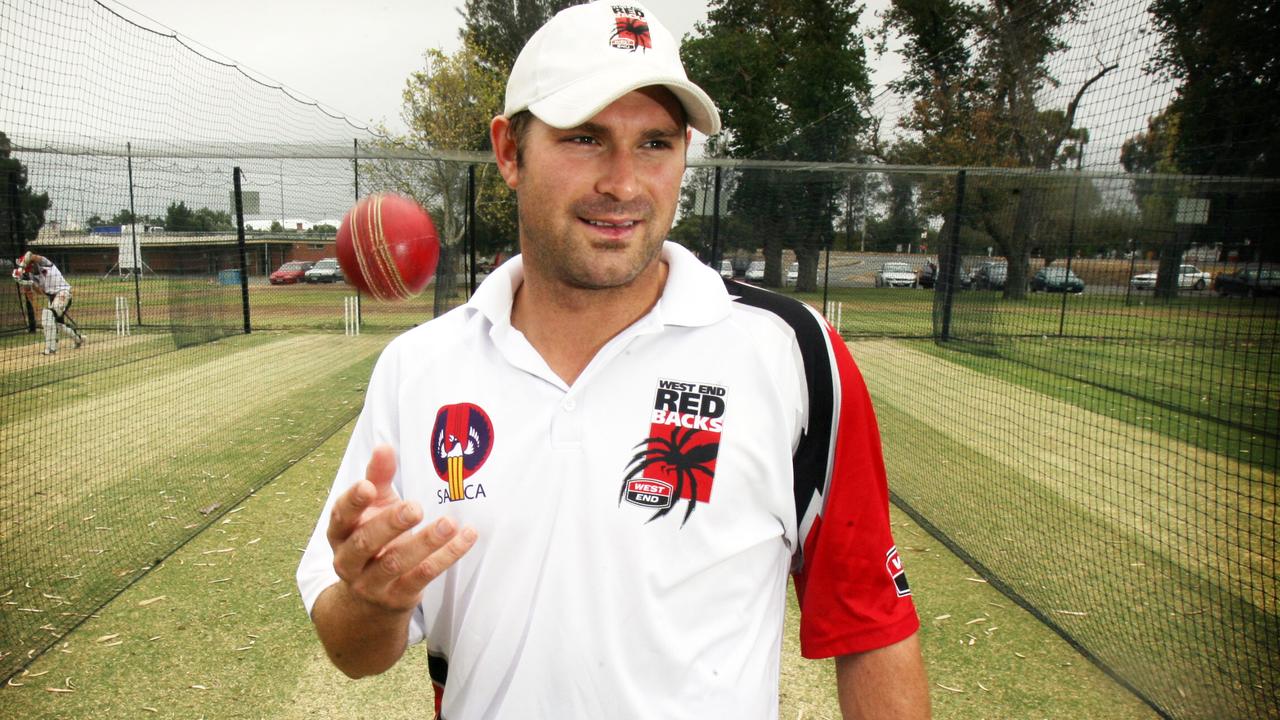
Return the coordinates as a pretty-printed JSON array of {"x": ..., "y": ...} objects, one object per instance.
[
  {"x": 990, "y": 276},
  {"x": 755, "y": 271},
  {"x": 1056, "y": 279},
  {"x": 1249, "y": 282},
  {"x": 290, "y": 272},
  {"x": 726, "y": 269},
  {"x": 1189, "y": 277},
  {"x": 896, "y": 274},
  {"x": 325, "y": 271},
  {"x": 793, "y": 273}
]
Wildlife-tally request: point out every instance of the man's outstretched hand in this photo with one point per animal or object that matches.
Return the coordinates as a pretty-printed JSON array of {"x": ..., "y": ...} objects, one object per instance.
[
  {"x": 384, "y": 566},
  {"x": 374, "y": 551}
]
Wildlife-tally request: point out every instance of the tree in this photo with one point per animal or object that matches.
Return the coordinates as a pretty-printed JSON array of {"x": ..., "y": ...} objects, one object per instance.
[
  {"x": 791, "y": 81},
  {"x": 975, "y": 72},
  {"x": 498, "y": 29},
  {"x": 124, "y": 217},
  {"x": 1223, "y": 57},
  {"x": 180, "y": 218},
  {"x": 22, "y": 210},
  {"x": 447, "y": 106},
  {"x": 1223, "y": 120}
]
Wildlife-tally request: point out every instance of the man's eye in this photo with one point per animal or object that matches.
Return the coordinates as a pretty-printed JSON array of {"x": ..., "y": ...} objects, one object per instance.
[
  {"x": 658, "y": 145},
  {"x": 581, "y": 140}
]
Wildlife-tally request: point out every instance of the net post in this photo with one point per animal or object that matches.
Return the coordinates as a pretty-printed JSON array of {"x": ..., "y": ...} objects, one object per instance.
[
  {"x": 355, "y": 165},
  {"x": 133, "y": 228},
  {"x": 717, "y": 253},
  {"x": 19, "y": 243},
  {"x": 244, "y": 275},
  {"x": 355, "y": 179},
  {"x": 952, "y": 274},
  {"x": 471, "y": 223}
]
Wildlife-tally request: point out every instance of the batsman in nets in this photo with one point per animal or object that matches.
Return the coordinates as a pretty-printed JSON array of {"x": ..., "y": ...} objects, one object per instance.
[{"x": 37, "y": 273}]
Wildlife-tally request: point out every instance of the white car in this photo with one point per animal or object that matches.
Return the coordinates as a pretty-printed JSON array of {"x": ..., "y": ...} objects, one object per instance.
[
  {"x": 1189, "y": 276},
  {"x": 755, "y": 271},
  {"x": 726, "y": 269},
  {"x": 793, "y": 273},
  {"x": 326, "y": 271},
  {"x": 896, "y": 274}
]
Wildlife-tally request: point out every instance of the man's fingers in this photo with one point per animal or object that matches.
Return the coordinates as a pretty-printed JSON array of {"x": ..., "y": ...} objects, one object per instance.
[
  {"x": 447, "y": 545},
  {"x": 404, "y": 553},
  {"x": 367, "y": 541},
  {"x": 380, "y": 470},
  {"x": 349, "y": 509}
]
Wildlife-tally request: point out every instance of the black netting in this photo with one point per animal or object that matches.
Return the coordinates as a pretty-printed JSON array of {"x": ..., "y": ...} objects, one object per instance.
[{"x": 1074, "y": 367}]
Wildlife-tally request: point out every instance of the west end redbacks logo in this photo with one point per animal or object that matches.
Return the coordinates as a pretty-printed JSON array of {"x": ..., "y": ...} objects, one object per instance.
[
  {"x": 677, "y": 461},
  {"x": 460, "y": 443},
  {"x": 630, "y": 30},
  {"x": 893, "y": 565}
]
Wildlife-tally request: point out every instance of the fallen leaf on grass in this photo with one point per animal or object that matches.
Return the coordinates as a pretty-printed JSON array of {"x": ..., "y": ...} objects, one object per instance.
[
  {"x": 149, "y": 601},
  {"x": 945, "y": 687},
  {"x": 105, "y": 638}
]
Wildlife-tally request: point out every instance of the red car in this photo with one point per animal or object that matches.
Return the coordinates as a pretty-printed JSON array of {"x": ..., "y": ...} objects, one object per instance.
[{"x": 290, "y": 272}]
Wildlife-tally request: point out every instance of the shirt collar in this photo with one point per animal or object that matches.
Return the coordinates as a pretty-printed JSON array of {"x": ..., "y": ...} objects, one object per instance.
[{"x": 693, "y": 296}]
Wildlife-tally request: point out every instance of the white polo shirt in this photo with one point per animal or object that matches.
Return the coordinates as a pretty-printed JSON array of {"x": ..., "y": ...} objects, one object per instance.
[
  {"x": 48, "y": 278},
  {"x": 636, "y": 528}
]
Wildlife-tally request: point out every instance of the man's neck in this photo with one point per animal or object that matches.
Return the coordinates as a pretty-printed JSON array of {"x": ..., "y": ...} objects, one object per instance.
[{"x": 568, "y": 326}]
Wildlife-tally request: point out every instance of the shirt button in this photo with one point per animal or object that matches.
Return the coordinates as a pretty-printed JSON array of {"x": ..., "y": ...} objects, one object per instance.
[{"x": 568, "y": 405}]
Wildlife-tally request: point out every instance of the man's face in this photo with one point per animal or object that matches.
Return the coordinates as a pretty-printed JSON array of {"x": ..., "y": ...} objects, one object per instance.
[{"x": 596, "y": 201}]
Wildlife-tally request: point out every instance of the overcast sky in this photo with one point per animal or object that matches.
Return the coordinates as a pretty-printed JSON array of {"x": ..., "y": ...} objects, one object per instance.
[
  {"x": 354, "y": 60},
  {"x": 351, "y": 58}
]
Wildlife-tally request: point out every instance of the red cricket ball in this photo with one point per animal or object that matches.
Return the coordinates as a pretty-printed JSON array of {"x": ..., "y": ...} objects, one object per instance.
[{"x": 388, "y": 246}]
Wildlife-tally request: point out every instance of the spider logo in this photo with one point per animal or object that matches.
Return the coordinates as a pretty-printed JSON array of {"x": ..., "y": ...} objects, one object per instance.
[
  {"x": 630, "y": 33},
  {"x": 678, "y": 457}
]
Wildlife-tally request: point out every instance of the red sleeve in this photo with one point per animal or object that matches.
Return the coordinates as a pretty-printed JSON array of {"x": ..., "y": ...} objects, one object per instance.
[{"x": 852, "y": 589}]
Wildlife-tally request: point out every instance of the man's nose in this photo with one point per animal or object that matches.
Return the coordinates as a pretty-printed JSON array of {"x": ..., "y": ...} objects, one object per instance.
[{"x": 618, "y": 176}]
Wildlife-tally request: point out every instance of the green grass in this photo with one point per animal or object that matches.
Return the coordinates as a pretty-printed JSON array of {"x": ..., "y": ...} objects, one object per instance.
[
  {"x": 160, "y": 445},
  {"x": 218, "y": 630},
  {"x": 1144, "y": 549},
  {"x": 1223, "y": 399},
  {"x": 1164, "y": 467},
  {"x": 1200, "y": 369},
  {"x": 1196, "y": 317}
]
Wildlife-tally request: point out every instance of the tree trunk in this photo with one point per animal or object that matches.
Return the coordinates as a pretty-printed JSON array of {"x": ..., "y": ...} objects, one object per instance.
[
  {"x": 1170, "y": 259},
  {"x": 1017, "y": 247},
  {"x": 807, "y": 279}
]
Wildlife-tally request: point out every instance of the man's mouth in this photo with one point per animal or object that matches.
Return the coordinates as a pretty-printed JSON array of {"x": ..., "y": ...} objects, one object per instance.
[{"x": 605, "y": 224}]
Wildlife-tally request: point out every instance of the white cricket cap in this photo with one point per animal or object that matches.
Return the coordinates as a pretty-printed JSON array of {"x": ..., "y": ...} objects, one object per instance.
[{"x": 589, "y": 55}]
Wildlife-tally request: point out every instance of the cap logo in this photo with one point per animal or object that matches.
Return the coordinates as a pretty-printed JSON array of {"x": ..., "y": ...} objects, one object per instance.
[{"x": 630, "y": 31}]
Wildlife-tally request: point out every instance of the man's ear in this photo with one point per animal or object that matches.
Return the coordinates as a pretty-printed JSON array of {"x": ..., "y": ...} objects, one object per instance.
[{"x": 504, "y": 149}]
